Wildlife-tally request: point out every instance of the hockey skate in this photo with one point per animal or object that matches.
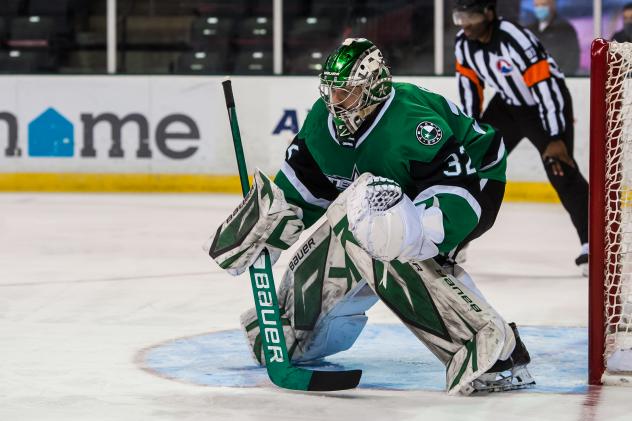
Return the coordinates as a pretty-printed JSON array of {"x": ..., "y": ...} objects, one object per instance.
[
  {"x": 504, "y": 375},
  {"x": 582, "y": 260}
]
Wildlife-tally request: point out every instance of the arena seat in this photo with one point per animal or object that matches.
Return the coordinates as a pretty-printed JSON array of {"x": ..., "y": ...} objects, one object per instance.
[
  {"x": 200, "y": 63},
  {"x": 4, "y": 28},
  {"x": 211, "y": 33},
  {"x": 148, "y": 61},
  {"x": 15, "y": 61},
  {"x": 49, "y": 7},
  {"x": 333, "y": 9},
  {"x": 11, "y": 7},
  {"x": 253, "y": 63},
  {"x": 85, "y": 62},
  {"x": 255, "y": 32},
  {"x": 309, "y": 31},
  {"x": 31, "y": 32},
  {"x": 234, "y": 8},
  {"x": 142, "y": 30},
  {"x": 306, "y": 62}
]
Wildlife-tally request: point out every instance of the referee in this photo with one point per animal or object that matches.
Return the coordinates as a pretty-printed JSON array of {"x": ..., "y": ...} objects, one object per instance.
[{"x": 531, "y": 99}]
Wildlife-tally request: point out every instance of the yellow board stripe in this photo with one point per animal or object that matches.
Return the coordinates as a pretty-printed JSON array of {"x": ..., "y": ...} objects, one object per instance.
[
  {"x": 78, "y": 182},
  {"x": 517, "y": 191},
  {"x": 530, "y": 191}
]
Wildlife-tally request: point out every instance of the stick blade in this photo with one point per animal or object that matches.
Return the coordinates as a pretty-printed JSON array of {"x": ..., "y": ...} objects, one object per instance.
[{"x": 334, "y": 380}]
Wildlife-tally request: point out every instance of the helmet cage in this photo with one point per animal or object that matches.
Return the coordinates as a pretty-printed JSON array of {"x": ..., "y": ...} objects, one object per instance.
[
  {"x": 368, "y": 83},
  {"x": 344, "y": 98}
]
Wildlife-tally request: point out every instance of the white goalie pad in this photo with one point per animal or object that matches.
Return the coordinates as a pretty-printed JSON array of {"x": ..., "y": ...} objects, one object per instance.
[
  {"x": 262, "y": 220},
  {"x": 322, "y": 301},
  {"x": 457, "y": 325}
]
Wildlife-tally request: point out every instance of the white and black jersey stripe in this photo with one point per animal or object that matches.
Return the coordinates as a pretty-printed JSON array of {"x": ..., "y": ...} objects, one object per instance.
[
  {"x": 304, "y": 174},
  {"x": 515, "y": 64}
]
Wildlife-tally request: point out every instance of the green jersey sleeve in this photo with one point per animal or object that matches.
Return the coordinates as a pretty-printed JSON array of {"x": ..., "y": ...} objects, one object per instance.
[
  {"x": 450, "y": 182},
  {"x": 448, "y": 160},
  {"x": 441, "y": 170},
  {"x": 482, "y": 142},
  {"x": 301, "y": 178}
]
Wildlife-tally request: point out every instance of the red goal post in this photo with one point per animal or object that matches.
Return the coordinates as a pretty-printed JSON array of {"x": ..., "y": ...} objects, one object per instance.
[{"x": 610, "y": 235}]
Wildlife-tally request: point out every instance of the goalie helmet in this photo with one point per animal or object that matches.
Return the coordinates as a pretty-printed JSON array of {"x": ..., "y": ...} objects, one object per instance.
[{"x": 354, "y": 81}]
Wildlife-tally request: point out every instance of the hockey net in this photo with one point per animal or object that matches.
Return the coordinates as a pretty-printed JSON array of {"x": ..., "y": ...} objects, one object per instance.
[{"x": 610, "y": 333}]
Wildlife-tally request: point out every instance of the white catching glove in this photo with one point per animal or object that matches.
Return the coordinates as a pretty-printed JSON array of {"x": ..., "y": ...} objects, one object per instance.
[
  {"x": 262, "y": 220},
  {"x": 388, "y": 226}
]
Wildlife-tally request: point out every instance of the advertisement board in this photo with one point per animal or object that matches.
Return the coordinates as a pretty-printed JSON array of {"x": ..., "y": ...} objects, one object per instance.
[{"x": 153, "y": 133}]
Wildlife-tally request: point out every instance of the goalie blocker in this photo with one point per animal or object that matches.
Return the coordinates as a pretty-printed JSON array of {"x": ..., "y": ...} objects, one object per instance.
[
  {"x": 262, "y": 220},
  {"x": 333, "y": 280}
]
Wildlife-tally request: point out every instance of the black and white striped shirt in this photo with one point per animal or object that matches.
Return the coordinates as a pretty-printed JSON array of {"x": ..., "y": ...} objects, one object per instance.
[{"x": 516, "y": 65}]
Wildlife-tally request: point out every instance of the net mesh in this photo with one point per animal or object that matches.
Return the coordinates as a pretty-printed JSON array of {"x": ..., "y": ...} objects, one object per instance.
[{"x": 618, "y": 241}]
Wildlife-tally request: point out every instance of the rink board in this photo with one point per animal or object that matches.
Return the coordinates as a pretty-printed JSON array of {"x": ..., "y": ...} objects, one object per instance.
[
  {"x": 171, "y": 133},
  {"x": 389, "y": 355},
  {"x": 516, "y": 191}
]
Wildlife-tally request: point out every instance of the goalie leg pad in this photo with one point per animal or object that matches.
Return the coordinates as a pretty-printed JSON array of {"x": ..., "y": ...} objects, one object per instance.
[
  {"x": 250, "y": 327},
  {"x": 338, "y": 330},
  {"x": 476, "y": 357},
  {"x": 459, "y": 327},
  {"x": 465, "y": 278},
  {"x": 322, "y": 301},
  {"x": 333, "y": 335},
  {"x": 508, "y": 373},
  {"x": 262, "y": 220}
]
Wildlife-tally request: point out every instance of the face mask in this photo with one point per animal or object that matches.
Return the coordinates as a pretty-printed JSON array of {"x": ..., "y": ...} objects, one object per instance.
[
  {"x": 542, "y": 13},
  {"x": 627, "y": 27}
]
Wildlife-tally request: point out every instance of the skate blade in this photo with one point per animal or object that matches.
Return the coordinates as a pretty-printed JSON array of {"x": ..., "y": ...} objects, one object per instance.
[{"x": 516, "y": 379}]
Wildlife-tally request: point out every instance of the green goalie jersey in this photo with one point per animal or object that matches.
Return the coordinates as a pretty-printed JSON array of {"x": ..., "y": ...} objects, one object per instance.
[{"x": 438, "y": 155}]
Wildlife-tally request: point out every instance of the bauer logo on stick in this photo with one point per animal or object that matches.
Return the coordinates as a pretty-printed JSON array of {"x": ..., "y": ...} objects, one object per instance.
[{"x": 428, "y": 133}]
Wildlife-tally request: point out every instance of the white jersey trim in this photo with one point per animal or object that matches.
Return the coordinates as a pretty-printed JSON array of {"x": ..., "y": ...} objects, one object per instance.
[
  {"x": 501, "y": 154},
  {"x": 377, "y": 119},
  {"x": 457, "y": 191},
  {"x": 301, "y": 188},
  {"x": 330, "y": 126},
  {"x": 332, "y": 131}
]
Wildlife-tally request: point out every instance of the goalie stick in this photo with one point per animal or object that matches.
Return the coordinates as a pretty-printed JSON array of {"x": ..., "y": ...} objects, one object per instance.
[{"x": 280, "y": 370}]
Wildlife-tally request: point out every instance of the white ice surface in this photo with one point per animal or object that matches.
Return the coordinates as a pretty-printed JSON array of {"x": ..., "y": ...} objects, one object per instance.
[{"x": 87, "y": 281}]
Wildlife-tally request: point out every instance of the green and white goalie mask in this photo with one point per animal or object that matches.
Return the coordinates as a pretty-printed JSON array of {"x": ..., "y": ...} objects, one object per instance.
[
  {"x": 354, "y": 81},
  {"x": 262, "y": 220}
]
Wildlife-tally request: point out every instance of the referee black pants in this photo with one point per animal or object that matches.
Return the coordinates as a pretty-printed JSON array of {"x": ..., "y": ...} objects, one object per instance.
[{"x": 518, "y": 122}]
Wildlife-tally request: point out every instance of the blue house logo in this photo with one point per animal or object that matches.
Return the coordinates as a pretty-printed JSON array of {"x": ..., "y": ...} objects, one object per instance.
[{"x": 51, "y": 134}]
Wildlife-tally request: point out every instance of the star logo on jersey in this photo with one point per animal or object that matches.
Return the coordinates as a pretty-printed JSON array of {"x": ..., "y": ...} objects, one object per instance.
[
  {"x": 504, "y": 66},
  {"x": 341, "y": 183},
  {"x": 428, "y": 133}
]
